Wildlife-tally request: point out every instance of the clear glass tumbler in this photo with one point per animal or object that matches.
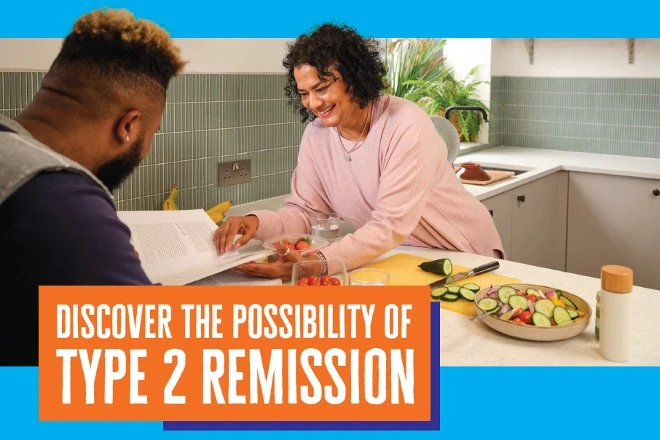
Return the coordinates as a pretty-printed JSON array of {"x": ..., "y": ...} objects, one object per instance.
[{"x": 369, "y": 277}]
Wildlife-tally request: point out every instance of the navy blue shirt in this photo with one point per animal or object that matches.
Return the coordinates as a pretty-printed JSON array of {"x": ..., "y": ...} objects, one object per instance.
[{"x": 60, "y": 228}]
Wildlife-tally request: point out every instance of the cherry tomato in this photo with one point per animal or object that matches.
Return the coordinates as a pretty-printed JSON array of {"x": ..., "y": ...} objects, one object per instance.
[
  {"x": 533, "y": 298},
  {"x": 314, "y": 281},
  {"x": 292, "y": 247},
  {"x": 325, "y": 282},
  {"x": 325, "y": 278},
  {"x": 516, "y": 313},
  {"x": 303, "y": 282},
  {"x": 526, "y": 317},
  {"x": 335, "y": 281},
  {"x": 302, "y": 245},
  {"x": 517, "y": 321}
]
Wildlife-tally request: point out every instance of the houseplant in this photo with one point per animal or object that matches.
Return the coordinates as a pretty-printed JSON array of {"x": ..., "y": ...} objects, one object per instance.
[
  {"x": 413, "y": 59},
  {"x": 436, "y": 97},
  {"x": 417, "y": 72}
]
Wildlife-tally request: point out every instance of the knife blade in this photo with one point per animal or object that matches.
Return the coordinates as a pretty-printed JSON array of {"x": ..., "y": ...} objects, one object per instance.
[{"x": 462, "y": 275}]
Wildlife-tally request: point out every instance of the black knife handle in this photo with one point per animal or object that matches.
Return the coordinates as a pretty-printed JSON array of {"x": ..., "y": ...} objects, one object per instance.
[{"x": 486, "y": 267}]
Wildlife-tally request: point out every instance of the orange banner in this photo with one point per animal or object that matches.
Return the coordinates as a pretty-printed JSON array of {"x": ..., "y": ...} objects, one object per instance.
[{"x": 234, "y": 353}]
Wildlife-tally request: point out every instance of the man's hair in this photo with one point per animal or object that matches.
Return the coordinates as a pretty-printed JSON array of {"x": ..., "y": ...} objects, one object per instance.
[
  {"x": 112, "y": 56},
  {"x": 356, "y": 58},
  {"x": 114, "y": 40}
]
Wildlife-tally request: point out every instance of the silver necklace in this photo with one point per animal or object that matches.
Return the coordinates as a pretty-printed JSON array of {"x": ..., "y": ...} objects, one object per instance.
[{"x": 347, "y": 153}]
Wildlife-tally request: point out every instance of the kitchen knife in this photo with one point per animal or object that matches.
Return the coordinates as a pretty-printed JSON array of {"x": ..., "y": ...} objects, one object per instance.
[{"x": 462, "y": 275}]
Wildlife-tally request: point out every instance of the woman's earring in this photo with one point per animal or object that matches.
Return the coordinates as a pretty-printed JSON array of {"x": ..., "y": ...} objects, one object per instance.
[{"x": 127, "y": 138}]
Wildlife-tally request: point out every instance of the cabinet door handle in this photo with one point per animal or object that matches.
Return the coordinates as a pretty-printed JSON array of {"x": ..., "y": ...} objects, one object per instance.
[
  {"x": 491, "y": 212},
  {"x": 521, "y": 199},
  {"x": 656, "y": 192}
]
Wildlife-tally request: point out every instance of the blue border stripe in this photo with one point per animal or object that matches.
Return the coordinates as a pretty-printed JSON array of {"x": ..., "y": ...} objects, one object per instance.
[
  {"x": 433, "y": 424},
  {"x": 384, "y": 19},
  {"x": 612, "y": 401}
]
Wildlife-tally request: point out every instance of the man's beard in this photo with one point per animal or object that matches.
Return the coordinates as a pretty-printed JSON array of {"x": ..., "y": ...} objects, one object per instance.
[{"x": 113, "y": 173}]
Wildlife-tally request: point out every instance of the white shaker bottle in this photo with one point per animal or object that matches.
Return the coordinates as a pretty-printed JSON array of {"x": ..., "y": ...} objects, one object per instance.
[{"x": 614, "y": 313}]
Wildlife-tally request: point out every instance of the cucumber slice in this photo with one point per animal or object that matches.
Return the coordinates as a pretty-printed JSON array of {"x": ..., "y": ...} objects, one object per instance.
[
  {"x": 540, "y": 320},
  {"x": 572, "y": 313},
  {"x": 467, "y": 294},
  {"x": 568, "y": 302},
  {"x": 536, "y": 292},
  {"x": 453, "y": 288},
  {"x": 449, "y": 297},
  {"x": 544, "y": 306},
  {"x": 504, "y": 292},
  {"x": 507, "y": 316},
  {"x": 487, "y": 304},
  {"x": 438, "y": 292},
  {"x": 473, "y": 287},
  {"x": 561, "y": 316},
  {"x": 518, "y": 301}
]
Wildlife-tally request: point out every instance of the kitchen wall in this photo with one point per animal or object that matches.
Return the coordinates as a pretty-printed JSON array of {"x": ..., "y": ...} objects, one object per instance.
[
  {"x": 578, "y": 95},
  {"x": 227, "y": 106},
  {"x": 463, "y": 54}
]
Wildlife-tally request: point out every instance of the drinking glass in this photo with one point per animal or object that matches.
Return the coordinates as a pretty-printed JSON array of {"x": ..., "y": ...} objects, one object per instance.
[
  {"x": 369, "y": 277},
  {"x": 326, "y": 226}
]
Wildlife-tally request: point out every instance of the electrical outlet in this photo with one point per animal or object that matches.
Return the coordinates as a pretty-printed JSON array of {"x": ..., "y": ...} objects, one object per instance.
[{"x": 234, "y": 172}]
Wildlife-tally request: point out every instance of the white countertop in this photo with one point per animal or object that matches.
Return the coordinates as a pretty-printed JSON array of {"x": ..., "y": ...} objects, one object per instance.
[
  {"x": 467, "y": 343},
  {"x": 540, "y": 163}
]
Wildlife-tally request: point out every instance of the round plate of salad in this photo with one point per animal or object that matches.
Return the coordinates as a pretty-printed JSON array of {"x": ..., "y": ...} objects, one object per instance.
[{"x": 533, "y": 312}]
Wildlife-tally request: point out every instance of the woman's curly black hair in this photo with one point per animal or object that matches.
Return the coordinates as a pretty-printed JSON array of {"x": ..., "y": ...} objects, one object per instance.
[{"x": 357, "y": 59}]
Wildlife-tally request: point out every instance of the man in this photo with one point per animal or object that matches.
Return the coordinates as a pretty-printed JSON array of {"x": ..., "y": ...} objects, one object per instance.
[{"x": 88, "y": 127}]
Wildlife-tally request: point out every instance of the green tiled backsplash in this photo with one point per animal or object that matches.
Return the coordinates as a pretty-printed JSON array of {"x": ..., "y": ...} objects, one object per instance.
[
  {"x": 619, "y": 116},
  {"x": 209, "y": 118}
]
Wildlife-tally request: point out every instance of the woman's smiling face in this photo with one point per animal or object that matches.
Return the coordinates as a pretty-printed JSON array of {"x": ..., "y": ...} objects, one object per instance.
[{"x": 326, "y": 98}]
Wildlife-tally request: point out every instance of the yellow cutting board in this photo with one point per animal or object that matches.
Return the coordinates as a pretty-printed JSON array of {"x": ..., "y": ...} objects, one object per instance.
[{"x": 404, "y": 271}]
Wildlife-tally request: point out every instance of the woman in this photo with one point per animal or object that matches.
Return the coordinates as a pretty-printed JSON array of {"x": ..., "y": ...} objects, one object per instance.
[{"x": 375, "y": 159}]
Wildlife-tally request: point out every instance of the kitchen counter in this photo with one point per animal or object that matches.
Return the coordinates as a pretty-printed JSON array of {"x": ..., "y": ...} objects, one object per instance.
[
  {"x": 538, "y": 163},
  {"x": 467, "y": 343}
]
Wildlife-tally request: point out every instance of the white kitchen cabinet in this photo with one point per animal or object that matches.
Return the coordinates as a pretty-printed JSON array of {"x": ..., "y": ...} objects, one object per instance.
[
  {"x": 531, "y": 220},
  {"x": 538, "y": 231},
  {"x": 614, "y": 220},
  {"x": 500, "y": 208}
]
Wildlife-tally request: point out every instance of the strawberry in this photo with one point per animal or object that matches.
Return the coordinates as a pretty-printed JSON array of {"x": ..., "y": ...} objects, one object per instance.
[{"x": 302, "y": 245}]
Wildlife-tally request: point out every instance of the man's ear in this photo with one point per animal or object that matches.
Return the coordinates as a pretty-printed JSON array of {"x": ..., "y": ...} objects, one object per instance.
[{"x": 128, "y": 127}]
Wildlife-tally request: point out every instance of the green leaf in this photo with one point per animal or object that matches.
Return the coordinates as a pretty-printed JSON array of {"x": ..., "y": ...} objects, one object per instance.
[{"x": 417, "y": 72}]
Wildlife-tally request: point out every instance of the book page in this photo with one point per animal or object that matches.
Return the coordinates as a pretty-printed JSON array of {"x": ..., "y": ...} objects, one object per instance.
[
  {"x": 235, "y": 278},
  {"x": 176, "y": 247}
]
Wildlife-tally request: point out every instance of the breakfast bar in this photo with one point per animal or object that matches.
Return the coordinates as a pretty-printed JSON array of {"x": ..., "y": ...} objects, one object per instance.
[{"x": 468, "y": 343}]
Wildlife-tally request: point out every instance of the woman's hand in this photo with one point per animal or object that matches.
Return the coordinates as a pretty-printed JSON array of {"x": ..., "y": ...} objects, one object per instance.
[
  {"x": 281, "y": 268},
  {"x": 223, "y": 238}
]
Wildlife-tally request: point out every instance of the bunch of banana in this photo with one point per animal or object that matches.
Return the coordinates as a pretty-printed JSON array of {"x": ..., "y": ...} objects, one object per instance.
[
  {"x": 170, "y": 202},
  {"x": 217, "y": 213}
]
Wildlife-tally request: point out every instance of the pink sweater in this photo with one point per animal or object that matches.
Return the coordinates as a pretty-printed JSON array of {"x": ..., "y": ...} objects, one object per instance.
[{"x": 397, "y": 189}]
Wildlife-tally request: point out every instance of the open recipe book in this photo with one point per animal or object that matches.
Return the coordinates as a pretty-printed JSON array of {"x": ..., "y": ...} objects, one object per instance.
[{"x": 176, "y": 248}]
